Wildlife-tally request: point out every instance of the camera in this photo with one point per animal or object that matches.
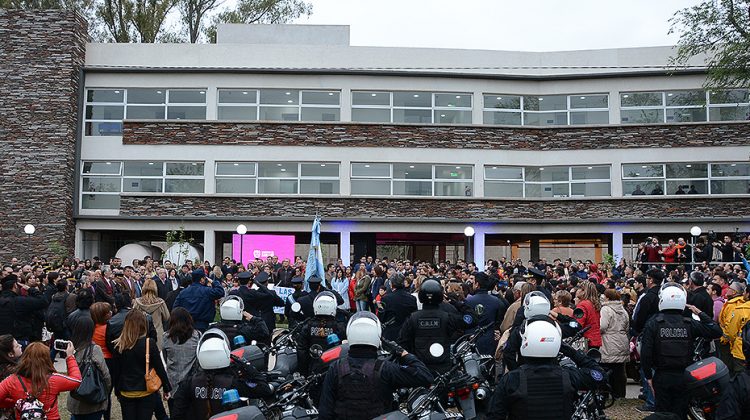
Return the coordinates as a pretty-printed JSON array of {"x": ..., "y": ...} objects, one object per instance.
[
  {"x": 712, "y": 237},
  {"x": 61, "y": 345}
]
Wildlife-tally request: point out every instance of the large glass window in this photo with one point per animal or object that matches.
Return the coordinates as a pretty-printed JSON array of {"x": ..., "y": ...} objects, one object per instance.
[
  {"x": 686, "y": 178},
  {"x": 660, "y": 107},
  {"x": 412, "y": 107},
  {"x": 546, "y": 110},
  {"x": 729, "y": 105},
  {"x": 547, "y": 181},
  {"x": 279, "y": 105},
  {"x": 277, "y": 178},
  {"x": 417, "y": 179},
  {"x": 104, "y": 112},
  {"x": 100, "y": 185}
]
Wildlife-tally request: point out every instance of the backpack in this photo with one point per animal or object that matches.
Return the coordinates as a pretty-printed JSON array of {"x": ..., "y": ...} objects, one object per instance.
[
  {"x": 29, "y": 408},
  {"x": 56, "y": 314}
]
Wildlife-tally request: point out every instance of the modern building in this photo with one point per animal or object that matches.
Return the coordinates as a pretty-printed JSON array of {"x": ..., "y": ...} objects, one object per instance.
[{"x": 574, "y": 153}]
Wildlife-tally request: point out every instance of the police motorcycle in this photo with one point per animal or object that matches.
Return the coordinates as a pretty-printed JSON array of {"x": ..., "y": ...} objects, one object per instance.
[
  {"x": 705, "y": 380},
  {"x": 478, "y": 369},
  {"x": 282, "y": 354},
  {"x": 591, "y": 403}
]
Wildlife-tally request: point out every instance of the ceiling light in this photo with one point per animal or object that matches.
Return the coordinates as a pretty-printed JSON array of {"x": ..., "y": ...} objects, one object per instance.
[
  {"x": 541, "y": 169},
  {"x": 458, "y": 167},
  {"x": 203, "y": 92},
  {"x": 688, "y": 166},
  {"x": 450, "y": 105},
  {"x": 583, "y": 97},
  {"x": 158, "y": 91},
  {"x": 283, "y": 170},
  {"x": 494, "y": 167},
  {"x": 458, "y": 96},
  {"x": 117, "y": 91},
  {"x": 442, "y": 115},
  {"x": 637, "y": 174},
  {"x": 541, "y": 99},
  {"x": 236, "y": 164},
  {"x": 734, "y": 164},
  {"x": 373, "y": 94},
  {"x": 406, "y": 173},
  {"x": 625, "y": 96},
  {"x": 589, "y": 167},
  {"x": 244, "y": 93},
  {"x": 289, "y": 93},
  {"x": 416, "y": 96},
  {"x": 411, "y": 166},
  {"x": 499, "y": 98},
  {"x": 109, "y": 163},
  {"x": 367, "y": 166},
  {"x": 323, "y": 164},
  {"x": 644, "y": 166},
  {"x": 151, "y": 163},
  {"x": 670, "y": 94},
  {"x": 290, "y": 101},
  {"x": 330, "y": 93},
  {"x": 278, "y": 164}
]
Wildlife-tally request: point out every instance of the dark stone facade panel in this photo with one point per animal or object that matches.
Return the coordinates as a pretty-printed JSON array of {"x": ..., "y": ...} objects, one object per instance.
[
  {"x": 431, "y": 210},
  {"x": 41, "y": 54},
  {"x": 436, "y": 136}
]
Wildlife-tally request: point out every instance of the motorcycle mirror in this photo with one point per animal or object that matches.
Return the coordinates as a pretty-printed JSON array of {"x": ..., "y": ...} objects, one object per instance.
[
  {"x": 436, "y": 350},
  {"x": 696, "y": 317},
  {"x": 296, "y": 307},
  {"x": 594, "y": 354},
  {"x": 578, "y": 313}
]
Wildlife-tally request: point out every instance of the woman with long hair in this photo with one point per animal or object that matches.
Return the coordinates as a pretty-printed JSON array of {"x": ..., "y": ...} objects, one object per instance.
[
  {"x": 136, "y": 402},
  {"x": 590, "y": 303},
  {"x": 87, "y": 350},
  {"x": 615, "y": 349},
  {"x": 340, "y": 284},
  {"x": 150, "y": 303},
  {"x": 10, "y": 351},
  {"x": 101, "y": 312},
  {"x": 180, "y": 342},
  {"x": 35, "y": 375},
  {"x": 362, "y": 288}
]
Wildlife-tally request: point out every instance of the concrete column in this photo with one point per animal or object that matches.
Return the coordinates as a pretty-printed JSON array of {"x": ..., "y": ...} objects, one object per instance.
[
  {"x": 616, "y": 250},
  {"x": 477, "y": 113},
  {"x": 208, "y": 174},
  {"x": 534, "y": 250},
  {"x": 346, "y": 104},
  {"x": 209, "y": 245},
  {"x": 479, "y": 248},
  {"x": 344, "y": 247},
  {"x": 78, "y": 249}
]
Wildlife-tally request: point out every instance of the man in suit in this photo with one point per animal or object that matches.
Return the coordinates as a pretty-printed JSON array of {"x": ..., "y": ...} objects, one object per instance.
[
  {"x": 163, "y": 285},
  {"x": 104, "y": 290}
]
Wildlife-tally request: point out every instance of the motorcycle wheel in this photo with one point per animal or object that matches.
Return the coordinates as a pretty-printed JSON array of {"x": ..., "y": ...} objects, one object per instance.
[{"x": 696, "y": 413}]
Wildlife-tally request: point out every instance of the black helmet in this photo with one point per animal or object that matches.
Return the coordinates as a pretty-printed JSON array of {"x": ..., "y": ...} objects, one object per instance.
[
  {"x": 431, "y": 292},
  {"x": 746, "y": 340}
]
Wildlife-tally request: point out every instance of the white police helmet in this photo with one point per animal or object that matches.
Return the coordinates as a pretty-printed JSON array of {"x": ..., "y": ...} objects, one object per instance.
[
  {"x": 672, "y": 296},
  {"x": 364, "y": 329},
  {"x": 535, "y": 303},
  {"x": 325, "y": 304},
  {"x": 540, "y": 338},
  {"x": 231, "y": 308},
  {"x": 213, "y": 350}
]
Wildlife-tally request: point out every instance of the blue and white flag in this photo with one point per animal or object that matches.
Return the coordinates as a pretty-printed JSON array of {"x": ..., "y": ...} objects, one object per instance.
[{"x": 315, "y": 257}]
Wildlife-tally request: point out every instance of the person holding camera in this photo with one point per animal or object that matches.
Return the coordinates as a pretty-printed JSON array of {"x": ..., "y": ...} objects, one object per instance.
[
  {"x": 727, "y": 249},
  {"x": 653, "y": 250}
]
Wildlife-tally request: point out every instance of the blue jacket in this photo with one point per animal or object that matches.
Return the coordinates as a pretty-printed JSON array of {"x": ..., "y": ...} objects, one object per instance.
[
  {"x": 490, "y": 309},
  {"x": 199, "y": 301}
]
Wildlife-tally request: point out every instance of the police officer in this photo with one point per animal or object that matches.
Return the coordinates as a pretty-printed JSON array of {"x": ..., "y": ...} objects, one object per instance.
[
  {"x": 490, "y": 309},
  {"x": 199, "y": 395},
  {"x": 319, "y": 333},
  {"x": 667, "y": 347},
  {"x": 427, "y": 332},
  {"x": 735, "y": 401},
  {"x": 294, "y": 317},
  {"x": 316, "y": 287},
  {"x": 260, "y": 301},
  {"x": 235, "y": 322},
  {"x": 541, "y": 388},
  {"x": 535, "y": 306},
  {"x": 397, "y": 306},
  {"x": 360, "y": 386}
]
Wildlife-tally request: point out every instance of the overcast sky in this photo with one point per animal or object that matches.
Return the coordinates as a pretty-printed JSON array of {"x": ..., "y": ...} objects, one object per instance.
[{"x": 521, "y": 25}]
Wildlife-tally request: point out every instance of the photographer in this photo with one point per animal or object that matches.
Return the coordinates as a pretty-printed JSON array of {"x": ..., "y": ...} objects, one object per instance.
[
  {"x": 653, "y": 250},
  {"x": 727, "y": 249}
]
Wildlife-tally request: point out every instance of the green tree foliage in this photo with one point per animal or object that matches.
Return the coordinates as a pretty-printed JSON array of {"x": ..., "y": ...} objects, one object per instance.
[
  {"x": 720, "y": 29},
  {"x": 149, "y": 20}
]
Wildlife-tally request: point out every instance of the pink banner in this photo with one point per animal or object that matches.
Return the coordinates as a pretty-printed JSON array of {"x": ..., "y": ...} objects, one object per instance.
[{"x": 262, "y": 246}]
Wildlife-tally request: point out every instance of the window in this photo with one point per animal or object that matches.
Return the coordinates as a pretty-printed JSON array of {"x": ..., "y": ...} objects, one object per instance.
[
  {"x": 686, "y": 178},
  {"x": 279, "y": 105},
  {"x": 277, "y": 178},
  {"x": 547, "y": 181},
  {"x": 729, "y": 105},
  {"x": 546, "y": 110},
  {"x": 100, "y": 185},
  {"x": 660, "y": 107},
  {"x": 412, "y": 179},
  {"x": 411, "y": 107},
  {"x": 730, "y": 178},
  {"x": 106, "y": 108}
]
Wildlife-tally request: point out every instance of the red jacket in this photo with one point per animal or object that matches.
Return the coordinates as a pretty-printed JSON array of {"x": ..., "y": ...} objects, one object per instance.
[
  {"x": 12, "y": 391},
  {"x": 590, "y": 318},
  {"x": 669, "y": 254}
]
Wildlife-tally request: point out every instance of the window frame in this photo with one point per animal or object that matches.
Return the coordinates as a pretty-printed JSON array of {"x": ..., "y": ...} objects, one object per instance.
[
  {"x": 86, "y": 104},
  {"x": 258, "y": 104},
  {"x": 664, "y": 107},
  {"x": 299, "y": 178},
  {"x": 433, "y": 179},
  {"x": 434, "y": 109},
  {"x": 524, "y": 112},
  {"x": 708, "y": 178},
  {"x": 570, "y": 181}
]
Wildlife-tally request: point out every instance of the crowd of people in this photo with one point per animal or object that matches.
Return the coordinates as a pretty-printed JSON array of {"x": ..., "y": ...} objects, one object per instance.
[{"x": 143, "y": 326}]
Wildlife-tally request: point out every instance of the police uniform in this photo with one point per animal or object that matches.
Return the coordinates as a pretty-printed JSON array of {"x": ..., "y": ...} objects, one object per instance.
[
  {"x": 490, "y": 310},
  {"x": 259, "y": 302},
  {"x": 199, "y": 395},
  {"x": 667, "y": 348},
  {"x": 512, "y": 357},
  {"x": 543, "y": 390},
  {"x": 434, "y": 325},
  {"x": 397, "y": 307},
  {"x": 294, "y": 317},
  {"x": 306, "y": 301},
  {"x": 735, "y": 401},
  {"x": 254, "y": 329},
  {"x": 360, "y": 386},
  {"x": 316, "y": 332}
]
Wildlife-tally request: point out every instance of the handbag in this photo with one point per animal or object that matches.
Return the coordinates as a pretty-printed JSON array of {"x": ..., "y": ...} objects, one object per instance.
[
  {"x": 153, "y": 382},
  {"x": 92, "y": 389}
]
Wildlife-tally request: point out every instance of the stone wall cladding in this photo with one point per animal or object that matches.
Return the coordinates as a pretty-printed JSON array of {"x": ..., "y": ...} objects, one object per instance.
[
  {"x": 41, "y": 54},
  {"x": 434, "y": 136},
  {"x": 582, "y": 211}
]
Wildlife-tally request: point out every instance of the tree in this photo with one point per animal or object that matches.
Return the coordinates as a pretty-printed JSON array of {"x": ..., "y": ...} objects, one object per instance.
[
  {"x": 133, "y": 20},
  {"x": 192, "y": 13},
  {"x": 259, "y": 11},
  {"x": 720, "y": 29}
]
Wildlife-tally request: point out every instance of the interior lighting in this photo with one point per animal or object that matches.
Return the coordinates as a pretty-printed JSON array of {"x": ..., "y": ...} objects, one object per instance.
[{"x": 416, "y": 96}]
